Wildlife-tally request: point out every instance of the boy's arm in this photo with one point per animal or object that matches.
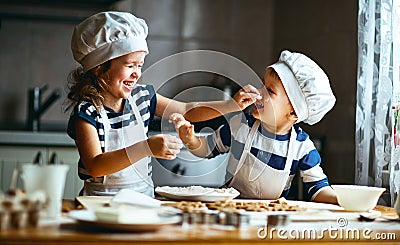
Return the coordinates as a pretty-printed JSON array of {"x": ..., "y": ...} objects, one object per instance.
[
  {"x": 202, "y": 111},
  {"x": 314, "y": 178},
  {"x": 197, "y": 145},
  {"x": 326, "y": 195}
]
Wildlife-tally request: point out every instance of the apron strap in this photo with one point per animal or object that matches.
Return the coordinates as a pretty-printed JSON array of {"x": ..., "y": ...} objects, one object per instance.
[
  {"x": 141, "y": 123},
  {"x": 104, "y": 118},
  {"x": 106, "y": 122},
  {"x": 107, "y": 127},
  {"x": 248, "y": 144},
  {"x": 137, "y": 113},
  {"x": 290, "y": 154},
  {"x": 291, "y": 149}
]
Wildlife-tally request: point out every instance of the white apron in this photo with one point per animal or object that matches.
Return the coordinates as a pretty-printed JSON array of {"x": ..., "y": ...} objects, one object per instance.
[
  {"x": 255, "y": 179},
  {"x": 133, "y": 177}
]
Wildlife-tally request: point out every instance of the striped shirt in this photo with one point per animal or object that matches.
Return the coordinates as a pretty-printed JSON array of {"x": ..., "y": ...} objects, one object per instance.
[
  {"x": 145, "y": 99},
  {"x": 272, "y": 150}
]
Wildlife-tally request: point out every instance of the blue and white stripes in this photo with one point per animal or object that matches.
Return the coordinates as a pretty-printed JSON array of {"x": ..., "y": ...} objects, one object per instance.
[
  {"x": 145, "y": 99},
  {"x": 272, "y": 150}
]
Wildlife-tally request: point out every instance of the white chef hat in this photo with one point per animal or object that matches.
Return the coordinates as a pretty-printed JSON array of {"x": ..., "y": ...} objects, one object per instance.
[
  {"x": 306, "y": 85},
  {"x": 107, "y": 35}
]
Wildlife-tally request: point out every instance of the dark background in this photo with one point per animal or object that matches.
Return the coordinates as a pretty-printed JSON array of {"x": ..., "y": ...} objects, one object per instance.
[{"x": 35, "y": 50}]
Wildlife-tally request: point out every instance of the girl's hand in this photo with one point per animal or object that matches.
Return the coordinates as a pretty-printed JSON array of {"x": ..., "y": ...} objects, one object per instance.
[
  {"x": 246, "y": 96},
  {"x": 183, "y": 127},
  {"x": 164, "y": 146}
]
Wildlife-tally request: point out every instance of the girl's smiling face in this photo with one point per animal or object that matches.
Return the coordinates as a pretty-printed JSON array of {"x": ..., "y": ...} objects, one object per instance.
[
  {"x": 123, "y": 74},
  {"x": 274, "y": 110}
]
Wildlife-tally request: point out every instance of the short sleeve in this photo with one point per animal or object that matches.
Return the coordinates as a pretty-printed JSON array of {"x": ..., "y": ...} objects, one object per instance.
[
  {"x": 220, "y": 141},
  {"x": 85, "y": 111},
  {"x": 314, "y": 178},
  {"x": 153, "y": 101}
]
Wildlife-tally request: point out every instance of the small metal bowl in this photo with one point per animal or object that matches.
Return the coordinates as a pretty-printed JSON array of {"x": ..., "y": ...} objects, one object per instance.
[
  {"x": 278, "y": 220},
  {"x": 233, "y": 219}
]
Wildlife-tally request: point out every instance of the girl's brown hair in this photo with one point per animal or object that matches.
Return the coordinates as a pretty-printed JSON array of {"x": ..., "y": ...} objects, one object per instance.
[{"x": 88, "y": 86}]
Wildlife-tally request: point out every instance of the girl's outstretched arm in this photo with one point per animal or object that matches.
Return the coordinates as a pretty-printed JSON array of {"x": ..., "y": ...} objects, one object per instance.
[{"x": 202, "y": 111}]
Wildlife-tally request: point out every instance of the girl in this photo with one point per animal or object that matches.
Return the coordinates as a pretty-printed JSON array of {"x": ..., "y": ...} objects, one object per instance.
[{"x": 112, "y": 112}]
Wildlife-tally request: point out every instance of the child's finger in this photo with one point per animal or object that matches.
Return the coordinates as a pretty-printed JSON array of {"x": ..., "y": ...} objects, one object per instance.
[
  {"x": 251, "y": 90},
  {"x": 170, "y": 156},
  {"x": 173, "y": 151},
  {"x": 180, "y": 123},
  {"x": 171, "y": 118},
  {"x": 174, "y": 117},
  {"x": 190, "y": 130},
  {"x": 174, "y": 148},
  {"x": 254, "y": 96},
  {"x": 173, "y": 145},
  {"x": 178, "y": 120},
  {"x": 248, "y": 94},
  {"x": 186, "y": 130},
  {"x": 249, "y": 98},
  {"x": 174, "y": 140}
]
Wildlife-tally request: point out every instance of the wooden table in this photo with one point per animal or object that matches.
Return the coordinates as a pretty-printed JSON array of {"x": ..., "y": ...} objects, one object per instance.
[{"x": 68, "y": 231}]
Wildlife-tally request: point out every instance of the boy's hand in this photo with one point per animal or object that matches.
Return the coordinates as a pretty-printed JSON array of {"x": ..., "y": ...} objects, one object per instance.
[
  {"x": 183, "y": 127},
  {"x": 164, "y": 146},
  {"x": 246, "y": 96}
]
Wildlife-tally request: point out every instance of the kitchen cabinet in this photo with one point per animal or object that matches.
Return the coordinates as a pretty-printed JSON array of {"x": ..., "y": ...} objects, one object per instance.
[
  {"x": 187, "y": 169},
  {"x": 13, "y": 157}
]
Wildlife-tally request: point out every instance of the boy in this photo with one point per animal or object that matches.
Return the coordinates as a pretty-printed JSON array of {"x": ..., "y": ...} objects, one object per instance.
[{"x": 268, "y": 147}]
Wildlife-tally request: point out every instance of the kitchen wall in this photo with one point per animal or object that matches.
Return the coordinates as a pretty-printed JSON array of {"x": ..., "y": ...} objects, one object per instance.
[
  {"x": 35, "y": 51},
  {"x": 327, "y": 32}
]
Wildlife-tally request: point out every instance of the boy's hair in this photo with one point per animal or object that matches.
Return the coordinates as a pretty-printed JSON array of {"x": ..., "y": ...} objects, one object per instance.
[
  {"x": 306, "y": 85},
  {"x": 273, "y": 73}
]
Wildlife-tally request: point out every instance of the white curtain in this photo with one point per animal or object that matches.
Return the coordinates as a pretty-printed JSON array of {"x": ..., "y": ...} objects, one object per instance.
[{"x": 378, "y": 89}]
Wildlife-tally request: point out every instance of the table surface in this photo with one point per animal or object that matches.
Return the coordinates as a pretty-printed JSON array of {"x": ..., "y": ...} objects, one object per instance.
[{"x": 68, "y": 231}]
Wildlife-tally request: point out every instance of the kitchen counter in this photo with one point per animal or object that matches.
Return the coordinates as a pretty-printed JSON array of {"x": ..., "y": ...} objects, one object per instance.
[
  {"x": 45, "y": 138},
  {"x": 35, "y": 138},
  {"x": 42, "y": 138},
  {"x": 68, "y": 231}
]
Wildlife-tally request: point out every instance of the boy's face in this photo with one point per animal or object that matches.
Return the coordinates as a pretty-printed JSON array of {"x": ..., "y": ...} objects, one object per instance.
[{"x": 274, "y": 110}]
